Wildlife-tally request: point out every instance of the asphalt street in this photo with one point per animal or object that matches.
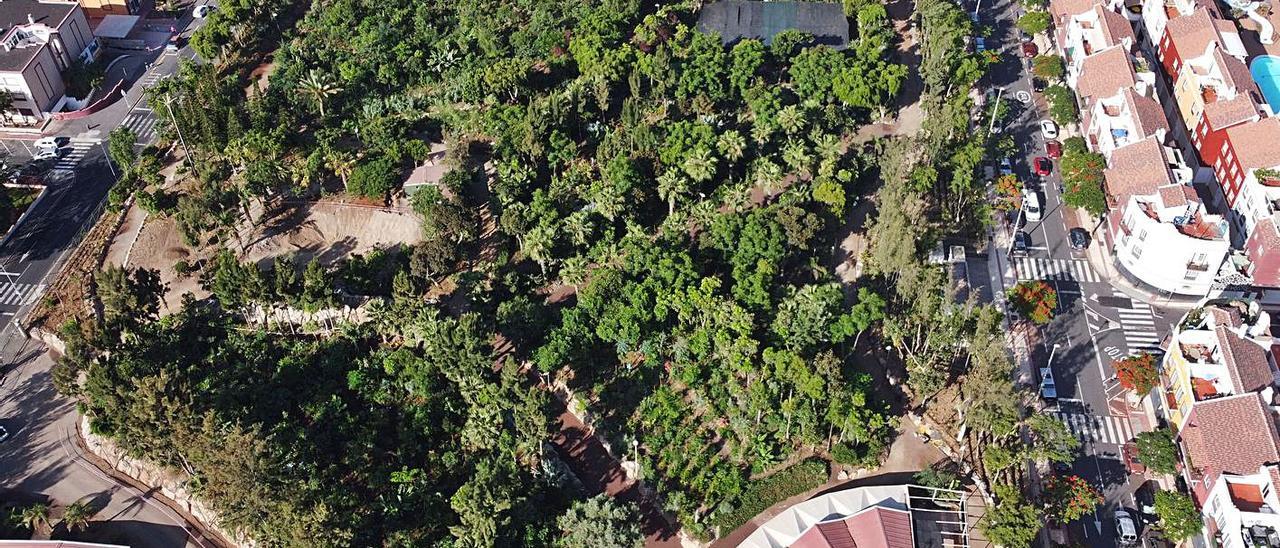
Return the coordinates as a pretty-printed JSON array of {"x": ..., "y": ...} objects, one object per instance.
[
  {"x": 41, "y": 461},
  {"x": 1094, "y": 324}
]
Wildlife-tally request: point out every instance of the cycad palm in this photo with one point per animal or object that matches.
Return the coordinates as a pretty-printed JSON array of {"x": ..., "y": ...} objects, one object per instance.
[
  {"x": 791, "y": 119},
  {"x": 318, "y": 88},
  {"x": 341, "y": 164},
  {"x": 76, "y": 516},
  {"x": 36, "y": 516},
  {"x": 579, "y": 227},
  {"x": 767, "y": 176}
]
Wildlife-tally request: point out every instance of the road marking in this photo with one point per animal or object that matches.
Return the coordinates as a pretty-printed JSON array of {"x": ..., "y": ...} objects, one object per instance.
[
  {"x": 1139, "y": 326},
  {"x": 19, "y": 294},
  {"x": 1097, "y": 428},
  {"x": 1036, "y": 268}
]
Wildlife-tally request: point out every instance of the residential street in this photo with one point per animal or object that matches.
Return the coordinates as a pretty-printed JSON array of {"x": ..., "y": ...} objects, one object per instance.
[
  {"x": 1095, "y": 324},
  {"x": 41, "y": 461}
]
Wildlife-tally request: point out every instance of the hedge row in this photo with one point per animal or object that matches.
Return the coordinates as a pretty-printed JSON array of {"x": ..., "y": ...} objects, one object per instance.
[{"x": 760, "y": 495}]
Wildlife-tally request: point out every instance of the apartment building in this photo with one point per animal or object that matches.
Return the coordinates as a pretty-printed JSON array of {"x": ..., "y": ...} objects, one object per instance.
[
  {"x": 1163, "y": 233},
  {"x": 1242, "y": 510},
  {"x": 40, "y": 41}
]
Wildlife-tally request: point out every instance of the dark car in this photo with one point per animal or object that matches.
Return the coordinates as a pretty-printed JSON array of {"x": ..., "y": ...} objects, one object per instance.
[
  {"x": 1021, "y": 243},
  {"x": 4, "y": 434},
  {"x": 1030, "y": 50},
  {"x": 1053, "y": 149},
  {"x": 1079, "y": 238},
  {"x": 1038, "y": 84},
  {"x": 1043, "y": 165}
]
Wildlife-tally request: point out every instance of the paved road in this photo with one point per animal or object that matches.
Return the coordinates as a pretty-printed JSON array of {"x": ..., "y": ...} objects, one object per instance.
[
  {"x": 41, "y": 461},
  {"x": 1095, "y": 324}
]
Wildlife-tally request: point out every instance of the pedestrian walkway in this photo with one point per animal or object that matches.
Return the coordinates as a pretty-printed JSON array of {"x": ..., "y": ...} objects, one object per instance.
[
  {"x": 1096, "y": 429},
  {"x": 1071, "y": 270},
  {"x": 1138, "y": 325},
  {"x": 142, "y": 121},
  {"x": 16, "y": 294},
  {"x": 69, "y": 161}
]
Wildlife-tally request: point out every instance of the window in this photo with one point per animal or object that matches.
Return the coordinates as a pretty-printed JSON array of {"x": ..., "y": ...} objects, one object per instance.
[
  {"x": 1137, "y": 252},
  {"x": 1142, "y": 235},
  {"x": 1191, "y": 275},
  {"x": 1199, "y": 258},
  {"x": 1224, "y": 147}
]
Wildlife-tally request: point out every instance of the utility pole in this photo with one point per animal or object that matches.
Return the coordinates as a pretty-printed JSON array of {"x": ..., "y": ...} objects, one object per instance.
[
  {"x": 168, "y": 104},
  {"x": 995, "y": 110},
  {"x": 107, "y": 155}
]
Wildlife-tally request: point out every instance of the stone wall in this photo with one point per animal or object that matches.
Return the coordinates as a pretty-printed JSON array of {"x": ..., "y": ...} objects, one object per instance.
[{"x": 169, "y": 483}]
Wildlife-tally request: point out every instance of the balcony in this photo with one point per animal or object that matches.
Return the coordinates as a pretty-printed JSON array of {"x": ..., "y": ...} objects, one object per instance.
[
  {"x": 1247, "y": 497},
  {"x": 1198, "y": 267}
]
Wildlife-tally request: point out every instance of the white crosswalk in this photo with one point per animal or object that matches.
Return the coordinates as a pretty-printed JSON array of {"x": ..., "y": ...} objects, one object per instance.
[
  {"x": 1097, "y": 429},
  {"x": 1139, "y": 327},
  {"x": 143, "y": 123},
  {"x": 72, "y": 158},
  {"x": 1034, "y": 268},
  {"x": 18, "y": 294},
  {"x": 151, "y": 77}
]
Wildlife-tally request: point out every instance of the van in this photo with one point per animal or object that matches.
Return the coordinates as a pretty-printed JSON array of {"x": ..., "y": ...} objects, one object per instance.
[
  {"x": 1126, "y": 529},
  {"x": 1031, "y": 205}
]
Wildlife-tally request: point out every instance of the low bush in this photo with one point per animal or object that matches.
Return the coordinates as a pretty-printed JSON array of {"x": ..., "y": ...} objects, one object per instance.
[{"x": 760, "y": 495}]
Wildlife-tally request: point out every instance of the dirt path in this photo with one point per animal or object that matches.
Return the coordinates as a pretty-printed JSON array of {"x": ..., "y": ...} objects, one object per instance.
[{"x": 600, "y": 472}]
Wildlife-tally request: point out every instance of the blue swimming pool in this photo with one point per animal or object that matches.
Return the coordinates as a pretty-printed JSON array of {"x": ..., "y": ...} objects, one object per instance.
[{"x": 1266, "y": 72}]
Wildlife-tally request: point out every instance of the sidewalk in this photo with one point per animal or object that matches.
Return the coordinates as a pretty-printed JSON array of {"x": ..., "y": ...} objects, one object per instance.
[{"x": 1102, "y": 262}]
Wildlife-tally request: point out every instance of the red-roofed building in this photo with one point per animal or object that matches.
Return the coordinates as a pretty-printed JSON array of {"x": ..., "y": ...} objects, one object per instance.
[
  {"x": 880, "y": 516},
  {"x": 1241, "y": 509},
  {"x": 875, "y": 527}
]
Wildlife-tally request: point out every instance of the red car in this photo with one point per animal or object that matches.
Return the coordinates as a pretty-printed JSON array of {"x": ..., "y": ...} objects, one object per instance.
[
  {"x": 1044, "y": 166},
  {"x": 1053, "y": 149},
  {"x": 1029, "y": 49}
]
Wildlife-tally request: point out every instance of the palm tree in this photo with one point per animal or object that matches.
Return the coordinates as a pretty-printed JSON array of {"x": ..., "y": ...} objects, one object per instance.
[
  {"x": 574, "y": 271},
  {"x": 77, "y": 515},
  {"x": 732, "y": 145},
  {"x": 579, "y": 226},
  {"x": 700, "y": 165},
  {"x": 318, "y": 88},
  {"x": 767, "y": 176},
  {"x": 797, "y": 156},
  {"x": 791, "y": 119},
  {"x": 672, "y": 185},
  {"x": 35, "y": 517},
  {"x": 537, "y": 245},
  {"x": 341, "y": 164}
]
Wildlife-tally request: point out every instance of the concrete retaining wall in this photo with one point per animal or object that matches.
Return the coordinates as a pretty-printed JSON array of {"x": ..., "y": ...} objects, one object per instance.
[{"x": 170, "y": 484}]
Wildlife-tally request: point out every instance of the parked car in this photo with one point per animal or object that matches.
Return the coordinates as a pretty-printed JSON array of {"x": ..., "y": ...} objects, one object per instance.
[
  {"x": 47, "y": 154},
  {"x": 1126, "y": 528},
  {"x": 4, "y": 434},
  {"x": 1048, "y": 129},
  {"x": 1038, "y": 85},
  {"x": 980, "y": 44},
  {"x": 1021, "y": 243},
  {"x": 1048, "y": 388},
  {"x": 1024, "y": 37},
  {"x": 53, "y": 143},
  {"x": 1006, "y": 167},
  {"x": 203, "y": 11},
  {"x": 1031, "y": 205},
  {"x": 1043, "y": 166},
  {"x": 1029, "y": 50},
  {"x": 1053, "y": 149},
  {"x": 1079, "y": 238}
]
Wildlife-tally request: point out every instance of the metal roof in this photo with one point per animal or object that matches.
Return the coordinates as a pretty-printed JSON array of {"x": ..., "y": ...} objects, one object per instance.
[{"x": 738, "y": 19}]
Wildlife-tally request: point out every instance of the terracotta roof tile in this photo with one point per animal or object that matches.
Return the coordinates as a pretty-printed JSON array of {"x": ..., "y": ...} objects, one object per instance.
[
  {"x": 1115, "y": 27},
  {"x": 1138, "y": 169},
  {"x": 1105, "y": 73},
  {"x": 875, "y": 527},
  {"x": 1067, "y": 8},
  {"x": 1255, "y": 143},
  {"x": 1245, "y": 360},
  {"x": 1264, "y": 239},
  {"x": 1235, "y": 73},
  {"x": 1235, "y": 434},
  {"x": 1226, "y": 315},
  {"x": 1172, "y": 195},
  {"x": 1192, "y": 33},
  {"x": 1148, "y": 116},
  {"x": 1229, "y": 112}
]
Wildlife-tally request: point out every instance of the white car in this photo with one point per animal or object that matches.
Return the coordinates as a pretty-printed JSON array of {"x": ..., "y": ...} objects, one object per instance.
[
  {"x": 1048, "y": 129},
  {"x": 53, "y": 143},
  {"x": 1031, "y": 205},
  {"x": 203, "y": 11},
  {"x": 1126, "y": 529},
  {"x": 47, "y": 154}
]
